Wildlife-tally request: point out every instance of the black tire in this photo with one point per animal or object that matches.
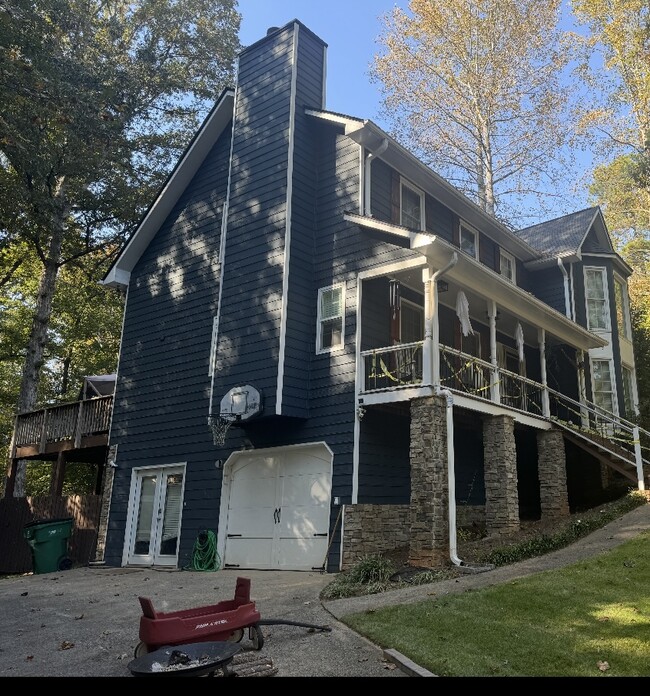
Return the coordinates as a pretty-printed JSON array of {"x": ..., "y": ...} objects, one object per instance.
[
  {"x": 65, "y": 563},
  {"x": 256, "y": 636}
]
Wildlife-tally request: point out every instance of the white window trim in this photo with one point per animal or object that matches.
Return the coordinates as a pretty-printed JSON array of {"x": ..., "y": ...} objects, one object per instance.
[
  {"x": 469, "y": 228},
  {"x": 608, "y": 309},
  {"x": 511, "y": 258},
  {"x": 332, "y": 349},
  {"x": 612, "y": 376},
  {"x": 626, "y": 307},
  {"x": 405, "y": 182}
]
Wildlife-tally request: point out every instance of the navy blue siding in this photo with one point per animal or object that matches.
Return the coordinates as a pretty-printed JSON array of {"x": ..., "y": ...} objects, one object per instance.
[
  {"x": 593, "y": 243},
  {"x": 548, "y": 286},
  {"x": 161, "y": 401}
]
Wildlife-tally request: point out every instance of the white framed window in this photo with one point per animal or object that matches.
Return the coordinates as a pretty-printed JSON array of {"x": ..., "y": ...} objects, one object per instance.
[
  {"x": 330, "y": 332},
  {"x": 628, "y": 391},
  {"x": 596, "y": 299},
  {"x": 622, "y": 308},
  {"x": 469, "y": 240},
  {"x": 508, "y": 266},
  {"x": 411, "y": 205},
  {"x": 603, "y": 385}
]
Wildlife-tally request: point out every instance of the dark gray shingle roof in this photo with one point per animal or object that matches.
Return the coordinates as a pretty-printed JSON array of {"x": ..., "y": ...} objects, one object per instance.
[{"x": 560, "y": 236}]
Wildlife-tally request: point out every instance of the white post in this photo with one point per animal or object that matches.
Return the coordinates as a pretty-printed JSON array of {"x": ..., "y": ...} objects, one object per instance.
[
  {"x": 638, "y": 457},
  {"x": 429, "y": 350},
  {"x": 546, "y": 406},
  {"x": 495, "y": 391}
]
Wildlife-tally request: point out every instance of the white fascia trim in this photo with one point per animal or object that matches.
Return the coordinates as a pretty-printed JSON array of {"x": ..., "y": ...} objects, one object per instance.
[
  {"x": 287, "y": 234},
  {"x": 181, "y": 176},
  {"x": 117, "y": 369},
  {"x": 333, "y": 117},
  {"x": 378, "y": 225},
  {"x": 550, "y": 261},
  {"x": 324, "y": 93},
  {"x": 618, "y": 260},
  {"x": 388, "y": 268}
]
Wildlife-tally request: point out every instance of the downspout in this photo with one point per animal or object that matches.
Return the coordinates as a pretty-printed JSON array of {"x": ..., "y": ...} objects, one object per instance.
[
  {"x": 451, "y": 488},
  {"x": 366, "y": 175},
  {"x": 567, "y": 301}
]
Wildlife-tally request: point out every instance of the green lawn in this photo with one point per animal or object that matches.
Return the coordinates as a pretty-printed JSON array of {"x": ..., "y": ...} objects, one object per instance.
[{"x": 589, "y": 619}]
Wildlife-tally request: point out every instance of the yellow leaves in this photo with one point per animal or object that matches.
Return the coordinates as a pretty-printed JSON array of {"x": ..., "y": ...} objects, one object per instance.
[{"x": 603, "y": 666}]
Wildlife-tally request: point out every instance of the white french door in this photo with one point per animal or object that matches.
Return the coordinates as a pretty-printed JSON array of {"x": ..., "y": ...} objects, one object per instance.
[{"x": 155, "y": 516}]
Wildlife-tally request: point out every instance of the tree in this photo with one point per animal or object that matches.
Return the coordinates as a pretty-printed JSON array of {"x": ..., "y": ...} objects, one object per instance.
[
  {"x": 473, "y": 86},
  {"x": 99, "y": 98}
]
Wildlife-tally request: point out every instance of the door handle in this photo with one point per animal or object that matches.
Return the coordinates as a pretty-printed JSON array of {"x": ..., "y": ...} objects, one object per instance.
[{"x": 276, "y": 515}]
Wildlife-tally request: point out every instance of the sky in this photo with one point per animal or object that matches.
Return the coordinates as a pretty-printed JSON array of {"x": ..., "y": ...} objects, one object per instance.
[{"x": 351, "y": 29}]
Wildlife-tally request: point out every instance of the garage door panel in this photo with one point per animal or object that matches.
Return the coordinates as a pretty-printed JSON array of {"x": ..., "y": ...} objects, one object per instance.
[
  {"x": 251, "y": 521},
  {"x": 301, "y": 554},
  {"x": 307, "y": 489},
  {"x": 303, "y": 522},
  {"x": 249, "y": 553}
]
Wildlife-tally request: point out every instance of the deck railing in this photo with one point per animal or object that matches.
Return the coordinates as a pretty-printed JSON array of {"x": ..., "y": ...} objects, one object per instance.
[{"x": 71, "y": 421}]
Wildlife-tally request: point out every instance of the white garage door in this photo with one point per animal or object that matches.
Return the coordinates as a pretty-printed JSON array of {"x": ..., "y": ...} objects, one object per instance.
[{"x": 278, "y": 508}]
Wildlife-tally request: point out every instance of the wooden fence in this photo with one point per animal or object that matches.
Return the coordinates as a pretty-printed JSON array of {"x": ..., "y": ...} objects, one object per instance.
[{"x": 15, "y": 513}]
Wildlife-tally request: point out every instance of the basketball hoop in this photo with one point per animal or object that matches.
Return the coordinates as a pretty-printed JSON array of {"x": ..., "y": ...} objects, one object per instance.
[{"x": 219, "y": 425}]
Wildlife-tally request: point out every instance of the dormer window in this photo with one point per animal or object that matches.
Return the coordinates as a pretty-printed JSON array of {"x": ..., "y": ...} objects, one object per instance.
[
  {"x": 508, "y": 267},
  {"x": 469, "y": 241},
  {"x": 411, "y": 206}
]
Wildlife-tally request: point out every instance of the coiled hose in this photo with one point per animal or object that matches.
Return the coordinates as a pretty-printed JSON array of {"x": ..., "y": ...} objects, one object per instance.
[{"x": 204, "y": 553}]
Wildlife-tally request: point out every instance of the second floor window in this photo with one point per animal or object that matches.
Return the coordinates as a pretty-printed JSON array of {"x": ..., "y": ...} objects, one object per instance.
[
  {"x": 329, "y": 333},
  {"x": 622, "y": 310},
  {"x": 508, "y": 267},
  {"x": 596, "y": 296},
  {"x": 469, "y": 241},
  {"x": 628, "y": 394},
  {"x": 411, "y": 207}
]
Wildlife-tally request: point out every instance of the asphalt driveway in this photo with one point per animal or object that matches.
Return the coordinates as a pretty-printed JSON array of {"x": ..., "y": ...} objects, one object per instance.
[{"x": 84, "y": 622}]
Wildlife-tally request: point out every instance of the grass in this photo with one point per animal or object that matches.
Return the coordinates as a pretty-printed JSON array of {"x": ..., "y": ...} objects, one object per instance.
[{"x": 589, "y": 619}]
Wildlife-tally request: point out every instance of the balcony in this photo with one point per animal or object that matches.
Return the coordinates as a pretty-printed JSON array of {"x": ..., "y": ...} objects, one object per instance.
[{"x": 69, "y": 426}]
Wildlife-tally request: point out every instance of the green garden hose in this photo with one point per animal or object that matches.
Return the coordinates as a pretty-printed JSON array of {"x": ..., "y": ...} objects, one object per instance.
[{"x": 204, "y": 553}]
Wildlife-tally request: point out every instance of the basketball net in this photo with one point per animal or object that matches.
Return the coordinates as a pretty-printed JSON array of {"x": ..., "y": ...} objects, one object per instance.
[{"x": 219, "y": 425}]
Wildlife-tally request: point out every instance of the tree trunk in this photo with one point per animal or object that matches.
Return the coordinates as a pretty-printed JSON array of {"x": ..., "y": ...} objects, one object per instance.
[{"x": 27, "y": 400}]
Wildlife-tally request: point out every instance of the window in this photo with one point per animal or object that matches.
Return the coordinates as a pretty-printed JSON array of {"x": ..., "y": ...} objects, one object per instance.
[
  {"x": 628, "y": 394},
  {"x": 411, "y": 207},
  {"x": 469, "y": 241},
  {"x": 596, "y": 294},
  {"x": 508, "y": 267},
  {"x": 330, "y": 318},
  {"x": 622, "y": 309},
  {"x": 603, "y": 386}
]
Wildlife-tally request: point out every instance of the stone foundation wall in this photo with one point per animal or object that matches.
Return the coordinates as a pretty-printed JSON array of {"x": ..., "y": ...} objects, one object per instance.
[
  {"x": 372, "y": 529},
  {"x": 469, "y": 515},
  {"x": 551, "y": 467},
  {"x": 500, "y": 456}
]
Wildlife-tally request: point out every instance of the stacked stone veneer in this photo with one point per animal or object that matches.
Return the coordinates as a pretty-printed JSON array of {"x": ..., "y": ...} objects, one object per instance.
[
  {"x": 429, "y": 530},
  {"x": 500, "y": 458},
  {"x": 373, "y": 529},
  {"x": 551, "y": 466},
  {"x": 107, "y": 490}
]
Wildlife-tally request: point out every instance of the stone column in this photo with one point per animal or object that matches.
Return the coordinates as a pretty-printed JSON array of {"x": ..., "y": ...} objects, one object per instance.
[
  {"x": 107, "y": 491},
  {"x": 551, "y": 467},
  {"x": 429, "y": 528},
  {"x": 500, "y": 458}
]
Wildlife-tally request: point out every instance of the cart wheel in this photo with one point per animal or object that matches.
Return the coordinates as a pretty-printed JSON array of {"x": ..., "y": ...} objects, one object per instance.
[
  {"x": 236, "y": 635},
  {"x": 140, "y": 650},
  {"x": 256, "y": 636}
]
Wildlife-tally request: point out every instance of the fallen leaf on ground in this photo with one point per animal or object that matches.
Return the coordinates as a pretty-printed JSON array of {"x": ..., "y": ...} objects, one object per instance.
[
  {"x": 603, "y": 666},
  {"x": 603, "y": 618},
  {"x": 66, "y": 645},
  {"x": 24, "y": 594},
  {"x": 389, "y": 665},
  {"x": 29, "y": 657},
  {"x": 79, "y": 617}
]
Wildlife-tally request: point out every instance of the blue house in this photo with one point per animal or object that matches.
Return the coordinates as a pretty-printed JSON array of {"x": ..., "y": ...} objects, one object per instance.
[{"x": 329, "y": 351}]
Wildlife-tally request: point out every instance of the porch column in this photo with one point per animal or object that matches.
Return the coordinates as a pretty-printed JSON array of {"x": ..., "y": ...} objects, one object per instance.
[
  {"x": 107, "y": 492},
  {"x": 58, "y": 474},
  {"x": 430, "y": 350},
  {"x": 495, "y": 390},
  {"x": 551, "y": 467},
  {"x": 429, "y": 523},
  {"x": 546, "y": 406},
  {"x": 500, "y": 460}
]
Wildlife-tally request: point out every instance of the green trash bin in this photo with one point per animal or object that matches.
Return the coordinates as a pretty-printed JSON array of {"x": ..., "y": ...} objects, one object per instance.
[{"x": 48, "y": 540}]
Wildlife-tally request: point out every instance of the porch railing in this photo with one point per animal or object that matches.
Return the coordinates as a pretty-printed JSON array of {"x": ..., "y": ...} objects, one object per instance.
[
  {"x": 63, "y": 422},
  {"x": 401, "y": 365}
]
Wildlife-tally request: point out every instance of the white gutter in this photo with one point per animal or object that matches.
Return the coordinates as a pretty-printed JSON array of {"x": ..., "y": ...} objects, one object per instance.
[
  {"x": 369, "y": 158},
  {"x": 567, "y": 301}
]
